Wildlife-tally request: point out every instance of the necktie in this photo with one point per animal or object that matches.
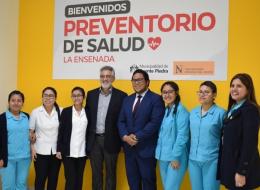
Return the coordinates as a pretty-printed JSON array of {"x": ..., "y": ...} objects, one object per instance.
[{"x": 137, "y": 104}]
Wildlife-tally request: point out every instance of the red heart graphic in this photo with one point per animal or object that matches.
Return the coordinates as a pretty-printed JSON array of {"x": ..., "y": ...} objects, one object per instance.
[{"x": 154, "y": 43}]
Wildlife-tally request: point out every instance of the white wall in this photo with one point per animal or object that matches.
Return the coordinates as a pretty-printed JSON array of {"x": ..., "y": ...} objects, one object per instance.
[{"x": 9, "y": 14}]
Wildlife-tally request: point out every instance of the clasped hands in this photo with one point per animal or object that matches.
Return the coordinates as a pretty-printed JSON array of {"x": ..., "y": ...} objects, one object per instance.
[{"x": 130, "y": 139}]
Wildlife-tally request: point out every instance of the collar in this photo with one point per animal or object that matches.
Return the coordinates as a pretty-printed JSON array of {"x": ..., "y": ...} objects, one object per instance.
[
  {"x": 170, "y": 107},
  {"x": 237, "y": 105},
  {"x": 210, "y": 111},
  {"x": 10, "y": 115},
  {"x": 42, "y": 109},
  {"x": 109, "y": 91},
  {"x": 143, "y": 94},
  {"x": 74, "y": 111}
]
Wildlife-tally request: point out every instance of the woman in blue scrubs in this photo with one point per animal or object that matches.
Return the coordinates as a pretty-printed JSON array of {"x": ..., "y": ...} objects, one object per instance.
[
  {"x": 171, "y": 150},
  {"x": 14, "y": 145},
  {"x": 206, "y": 122}
]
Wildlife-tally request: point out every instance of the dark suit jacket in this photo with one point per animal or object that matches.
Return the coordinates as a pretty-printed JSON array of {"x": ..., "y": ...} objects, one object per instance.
[
  {"x": 65, "y": 129},
  {"x": 144, "y": 125},
  {"x": 3, "y": 138},
  {"x": 112, "y": 142},
  {"x": 239, "y": 151}
]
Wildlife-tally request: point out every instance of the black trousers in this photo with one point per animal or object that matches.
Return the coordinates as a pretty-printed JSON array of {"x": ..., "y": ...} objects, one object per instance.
[
  {"x": 97, "y": 156},
  {"x": 74, "y": 170},
  {"x": 47, "y": 167}
]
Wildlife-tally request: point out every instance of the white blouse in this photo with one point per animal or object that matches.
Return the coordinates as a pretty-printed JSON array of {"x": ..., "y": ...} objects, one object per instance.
[
  {"x": 78, "y": 133},
  {"x": 46, "y": 129}
]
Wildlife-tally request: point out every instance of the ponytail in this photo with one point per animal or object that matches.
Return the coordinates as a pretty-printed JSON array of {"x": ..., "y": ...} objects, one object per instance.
[
  {"x": 176, "y": 102},
  {"x": 57, "y": 109}
]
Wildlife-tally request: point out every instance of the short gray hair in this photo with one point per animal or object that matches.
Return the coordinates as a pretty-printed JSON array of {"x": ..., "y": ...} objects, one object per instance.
[{"x": 108, "y": 68}]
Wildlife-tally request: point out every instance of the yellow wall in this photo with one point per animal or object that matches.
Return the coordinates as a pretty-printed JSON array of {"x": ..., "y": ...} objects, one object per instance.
[{"x": 36, "y": 51}]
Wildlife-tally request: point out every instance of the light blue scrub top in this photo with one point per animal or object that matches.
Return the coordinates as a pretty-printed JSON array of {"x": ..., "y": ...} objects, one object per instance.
[
  {"x": 205, "y": 133},
  {"x": 18, "y": 136},
  {"x": 173, "y": 135}
]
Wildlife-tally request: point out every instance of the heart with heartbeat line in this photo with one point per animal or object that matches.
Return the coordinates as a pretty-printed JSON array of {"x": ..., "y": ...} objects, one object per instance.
[{"x": 154, "y": 43}]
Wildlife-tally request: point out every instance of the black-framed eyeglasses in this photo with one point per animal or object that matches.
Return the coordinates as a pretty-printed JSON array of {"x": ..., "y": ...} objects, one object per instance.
[
  {"x": 139, "y": 80},
  {"x": 51, "y": 96},
  {"x": 164, "y": 92},
  {"x": 106, "y": 76},
  {"x": 203, "y": 93},
  {"x": 76, "y": 95}
]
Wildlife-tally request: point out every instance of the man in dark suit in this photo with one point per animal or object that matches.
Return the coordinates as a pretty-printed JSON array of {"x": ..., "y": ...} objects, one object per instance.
[
  {"x": 139, "y": 121},
  {"x": 103, "y": 106}
]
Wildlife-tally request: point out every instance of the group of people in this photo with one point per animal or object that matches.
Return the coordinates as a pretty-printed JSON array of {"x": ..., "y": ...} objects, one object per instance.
[{"x": 215, "y": 145}]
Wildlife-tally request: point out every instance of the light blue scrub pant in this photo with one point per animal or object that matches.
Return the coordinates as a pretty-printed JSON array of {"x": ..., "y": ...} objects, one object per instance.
[
  {"x": 14, "y": 176},
  {"x": 172, "y": 178},
  {"x": 203, "y": 175}
]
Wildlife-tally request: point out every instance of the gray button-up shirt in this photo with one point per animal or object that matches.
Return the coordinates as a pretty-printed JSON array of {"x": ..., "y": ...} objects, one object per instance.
[{"x": 103, "y": 103}]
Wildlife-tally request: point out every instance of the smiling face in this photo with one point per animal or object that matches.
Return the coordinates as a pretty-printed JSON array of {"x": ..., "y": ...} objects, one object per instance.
[
  {"x": 169, "y": 95},
  {"x": 77, "y": 98},
  {"x": 238, "y": 90},
  {"x": 206, "y": 95},
  {"x": 139, "y": 83},
  {"x": 15, "y": 103},
  {"x": 48, "y": 98},
  {"x": 106, "y": 79}
]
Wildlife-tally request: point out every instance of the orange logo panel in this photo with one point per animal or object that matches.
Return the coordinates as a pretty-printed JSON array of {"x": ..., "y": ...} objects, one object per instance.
[{"x": 193, "y": 67}]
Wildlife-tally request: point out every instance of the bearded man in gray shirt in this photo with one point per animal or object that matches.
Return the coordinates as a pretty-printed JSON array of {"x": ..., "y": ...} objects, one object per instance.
[{"x": 103, "y": 142}]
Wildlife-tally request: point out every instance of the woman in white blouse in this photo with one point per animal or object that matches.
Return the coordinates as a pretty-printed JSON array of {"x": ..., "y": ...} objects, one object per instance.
[
  {"x": 71, "y": 145},
  {"x": 44, "y": 124}
]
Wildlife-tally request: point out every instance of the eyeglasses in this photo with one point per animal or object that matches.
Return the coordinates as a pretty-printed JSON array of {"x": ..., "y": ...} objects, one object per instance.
[
  {"x": 137, "y": 80},
  {"x": 50, "y": 96},
  {"x": 164, "y": 92},
  {"x": 203, "y": 93},
  {"x": 106, "y": 76},
  {"x": 76, "y": 95}
]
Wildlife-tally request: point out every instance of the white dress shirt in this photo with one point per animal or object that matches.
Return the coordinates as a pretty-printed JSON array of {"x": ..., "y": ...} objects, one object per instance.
[
  {"x": 46, "y": 129},
  {"x": 78, "y": 133},
  {"x": 136, "y": 98}
]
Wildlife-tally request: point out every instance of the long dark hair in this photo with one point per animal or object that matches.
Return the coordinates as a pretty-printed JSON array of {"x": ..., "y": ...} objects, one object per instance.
[
  {"x": 248, "y": 82},
  {"x": 57, "y": 108},
  {"x": 175, "y": 87}
]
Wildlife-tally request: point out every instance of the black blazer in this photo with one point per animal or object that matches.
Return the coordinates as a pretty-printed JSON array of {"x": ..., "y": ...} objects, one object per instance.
[
  {"x": 65, "y": 129},
  {"x": 112, "y": 141},
  {"x": 3, "y": 138},
  {"x": 239, "y": 151}
]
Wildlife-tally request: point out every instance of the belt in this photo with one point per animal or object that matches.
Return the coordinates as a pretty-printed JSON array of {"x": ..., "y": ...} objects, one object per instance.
[{"x": 100, "y": 134}]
